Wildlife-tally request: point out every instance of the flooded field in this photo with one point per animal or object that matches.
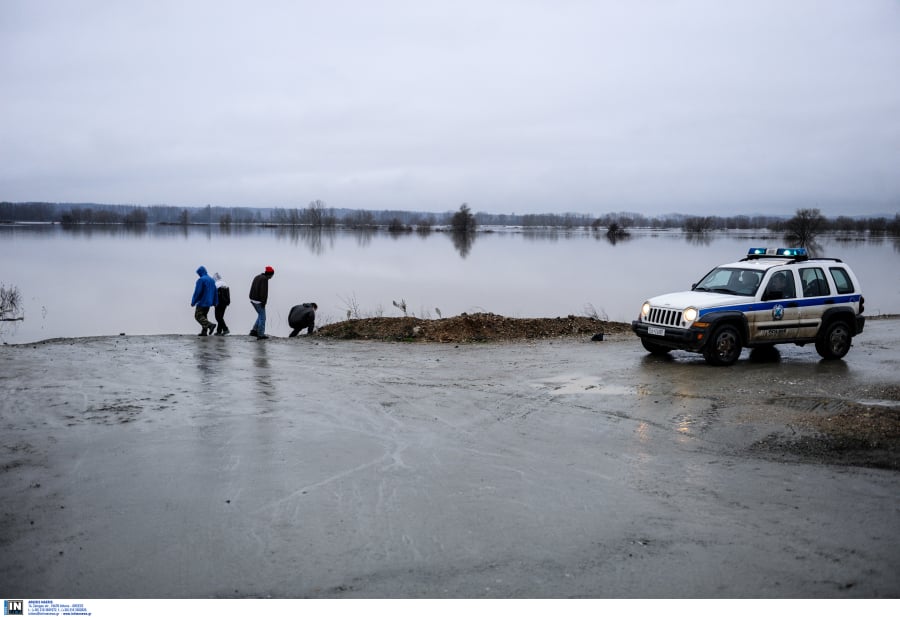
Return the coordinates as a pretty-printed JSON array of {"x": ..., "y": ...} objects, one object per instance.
[{"x": 98, "y": 281}]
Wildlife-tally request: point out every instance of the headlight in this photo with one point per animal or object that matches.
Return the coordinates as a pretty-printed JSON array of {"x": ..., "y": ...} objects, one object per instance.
[
  {"x": 645, "y": 309},
  {"x": 689, "y": 314}
]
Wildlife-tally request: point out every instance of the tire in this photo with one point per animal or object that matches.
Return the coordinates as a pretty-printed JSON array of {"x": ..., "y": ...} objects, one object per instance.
[
  {"x": 724, "y": 347},
  {"x": 833, "y": 341},
  {"x": 653, "y": 348}
]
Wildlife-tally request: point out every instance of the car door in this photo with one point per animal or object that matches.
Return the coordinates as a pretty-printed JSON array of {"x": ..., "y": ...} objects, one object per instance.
[
  {"x": 816, "y": 293},
  {"x": 776, "y": 316}
]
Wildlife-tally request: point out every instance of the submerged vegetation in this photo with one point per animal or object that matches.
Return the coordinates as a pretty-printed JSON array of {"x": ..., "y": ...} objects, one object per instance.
[{"x": 10, "y": 303}]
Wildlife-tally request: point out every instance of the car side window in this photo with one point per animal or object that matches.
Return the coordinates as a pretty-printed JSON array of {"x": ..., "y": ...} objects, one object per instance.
[
  {"x": 781, "y": 286},
  {"x": 842, "y": 281},
  {"x": 813, "y": 282}
]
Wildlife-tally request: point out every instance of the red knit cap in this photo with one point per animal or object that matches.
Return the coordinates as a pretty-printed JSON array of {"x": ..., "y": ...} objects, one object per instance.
[{"x": 270, "y": 270}]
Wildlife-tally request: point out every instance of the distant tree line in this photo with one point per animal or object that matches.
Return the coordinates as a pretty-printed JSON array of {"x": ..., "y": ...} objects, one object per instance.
[{"x": 318, "y": 214}]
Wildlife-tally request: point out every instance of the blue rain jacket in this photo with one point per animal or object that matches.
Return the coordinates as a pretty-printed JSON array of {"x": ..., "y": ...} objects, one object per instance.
[{"x": 205, "y": 290}]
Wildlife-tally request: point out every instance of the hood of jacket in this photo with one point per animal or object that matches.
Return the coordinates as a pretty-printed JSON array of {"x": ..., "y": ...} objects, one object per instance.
[{"x": 201, "y": 271}]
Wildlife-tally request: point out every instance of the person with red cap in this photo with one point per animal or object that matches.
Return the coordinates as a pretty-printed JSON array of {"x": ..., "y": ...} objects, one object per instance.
[{"x": 259, "y": 295}]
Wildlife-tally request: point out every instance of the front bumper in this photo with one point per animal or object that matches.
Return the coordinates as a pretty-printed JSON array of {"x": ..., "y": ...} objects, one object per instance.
[{"x": 689, "y": 339}]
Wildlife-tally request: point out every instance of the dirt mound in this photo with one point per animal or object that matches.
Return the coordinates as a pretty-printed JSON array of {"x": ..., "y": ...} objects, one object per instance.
[{"x": 465, "y": 328}]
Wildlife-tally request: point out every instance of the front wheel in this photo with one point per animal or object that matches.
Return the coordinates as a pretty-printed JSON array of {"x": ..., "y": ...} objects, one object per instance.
[
  {"x": 834, "y": 341},
  {"x": 724, "y": 348}
]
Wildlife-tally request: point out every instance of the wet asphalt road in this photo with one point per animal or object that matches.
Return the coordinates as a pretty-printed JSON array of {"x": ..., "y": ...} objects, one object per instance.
[{"x": 174, "y": 466}]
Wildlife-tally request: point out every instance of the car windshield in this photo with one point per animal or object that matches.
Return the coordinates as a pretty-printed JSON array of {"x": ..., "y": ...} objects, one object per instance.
[{"x": 734, "y": 281}]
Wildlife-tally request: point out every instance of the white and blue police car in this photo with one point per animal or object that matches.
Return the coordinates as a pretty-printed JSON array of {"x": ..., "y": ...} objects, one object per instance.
[{"x": 771, "y": 296}]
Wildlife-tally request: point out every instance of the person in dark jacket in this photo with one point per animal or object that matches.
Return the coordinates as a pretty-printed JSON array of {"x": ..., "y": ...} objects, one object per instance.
[
  {"x": 204, "y": 297},
  {"x": 223, "y": 299},
  {"x": 303, "y": 316},
  {"x": 259, "y": 295}
]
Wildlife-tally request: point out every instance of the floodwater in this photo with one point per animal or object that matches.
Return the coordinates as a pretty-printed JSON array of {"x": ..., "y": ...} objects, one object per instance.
[{"x": 100, "y": 281}]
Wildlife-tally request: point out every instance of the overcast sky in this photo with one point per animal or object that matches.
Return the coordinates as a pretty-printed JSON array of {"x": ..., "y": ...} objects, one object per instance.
[{"x": 654, "y": 106}]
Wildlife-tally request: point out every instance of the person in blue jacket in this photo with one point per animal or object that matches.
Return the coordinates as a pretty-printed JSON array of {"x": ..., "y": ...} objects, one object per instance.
[{"x": 205, "y": 296}]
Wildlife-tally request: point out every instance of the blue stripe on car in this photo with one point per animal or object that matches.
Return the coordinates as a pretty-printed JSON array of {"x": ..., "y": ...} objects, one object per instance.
[{"x": 766, "y": 306}]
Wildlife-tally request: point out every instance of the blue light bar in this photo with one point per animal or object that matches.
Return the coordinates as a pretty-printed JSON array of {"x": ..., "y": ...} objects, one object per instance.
[{"x": 781, "y": 252}]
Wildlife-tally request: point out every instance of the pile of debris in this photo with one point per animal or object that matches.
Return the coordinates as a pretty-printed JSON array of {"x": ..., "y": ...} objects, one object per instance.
[{"x": 465, "y": 328}]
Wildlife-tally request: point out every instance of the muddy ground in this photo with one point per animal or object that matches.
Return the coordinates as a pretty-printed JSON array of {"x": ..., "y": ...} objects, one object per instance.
[
  {"x": 474, "y": 328},
  {"x": 548, "y": 465}
]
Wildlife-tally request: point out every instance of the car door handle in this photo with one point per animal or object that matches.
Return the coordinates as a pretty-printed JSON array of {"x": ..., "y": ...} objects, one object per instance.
[
  {"x": 792, "y": 305},
  {"x": 829, "y": 301}
]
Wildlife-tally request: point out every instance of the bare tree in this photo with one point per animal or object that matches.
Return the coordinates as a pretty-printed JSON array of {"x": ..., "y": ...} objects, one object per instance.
[
  {"x": 315, "y": 213},
  {"x": 463, "y": 220},
  {"x": 805, "y": 226},
  {"x": 697, "y": 224}
]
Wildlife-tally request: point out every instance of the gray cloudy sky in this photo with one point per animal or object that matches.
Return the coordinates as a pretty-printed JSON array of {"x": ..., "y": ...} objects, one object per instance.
[{"x": 656, "y": 106}]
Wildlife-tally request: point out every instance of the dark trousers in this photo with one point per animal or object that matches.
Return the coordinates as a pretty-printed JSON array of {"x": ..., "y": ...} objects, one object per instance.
[
  {"x": 220, "y": 319},
  {"x": 296, "y": 329}
]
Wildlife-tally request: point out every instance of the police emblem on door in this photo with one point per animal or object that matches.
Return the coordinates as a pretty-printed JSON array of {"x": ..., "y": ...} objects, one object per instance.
[{"x": 777, "y": 312}]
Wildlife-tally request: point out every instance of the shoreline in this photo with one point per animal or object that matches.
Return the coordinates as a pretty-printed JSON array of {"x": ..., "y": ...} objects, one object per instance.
[{"x": 404, "y": 329}]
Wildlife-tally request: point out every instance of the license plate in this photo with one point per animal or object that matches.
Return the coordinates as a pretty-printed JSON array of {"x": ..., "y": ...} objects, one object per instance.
[{"x": 657, "y": 331}]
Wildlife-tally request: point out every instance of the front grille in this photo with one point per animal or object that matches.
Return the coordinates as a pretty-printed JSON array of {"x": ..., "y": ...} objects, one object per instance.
[{"x": 664, "y": 317}]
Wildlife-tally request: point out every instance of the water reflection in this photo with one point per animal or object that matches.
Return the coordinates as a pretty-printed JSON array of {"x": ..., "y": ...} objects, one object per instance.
[
  {"x": 650, "y": 361},
  {"x": 364, "y": 236},
  {"x": 768, "y": 354},
  {"x": 832, "y": 368},
  {"x": 612, "y": 238},
  {"x": 316, "y": 239},
  {"x": 463, "y": 242},
  {"x": 262, "y": 377},
  {"x": 320, "y": 239},
  {"x": 110, "y": 230},
  {"x": 698, "y": 239},
  {"x": 813, "y": 247},
  {"x": 542, "y": 234},
  {"x": 206, "y": 354}
]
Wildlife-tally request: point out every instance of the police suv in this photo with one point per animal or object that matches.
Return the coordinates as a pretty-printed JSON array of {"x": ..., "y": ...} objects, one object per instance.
[{"x": 769, "y": 297}]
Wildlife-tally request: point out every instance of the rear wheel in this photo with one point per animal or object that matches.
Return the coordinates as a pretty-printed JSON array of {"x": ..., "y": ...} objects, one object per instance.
[
  {"x": 724, "y": 348},
  {"x": 834, "y": 341},
  {"x": 656, "y": 350}
]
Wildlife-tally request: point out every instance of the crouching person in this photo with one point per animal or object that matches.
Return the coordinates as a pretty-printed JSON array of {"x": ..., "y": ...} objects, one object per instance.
[{"x": 303, "y": 316}]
